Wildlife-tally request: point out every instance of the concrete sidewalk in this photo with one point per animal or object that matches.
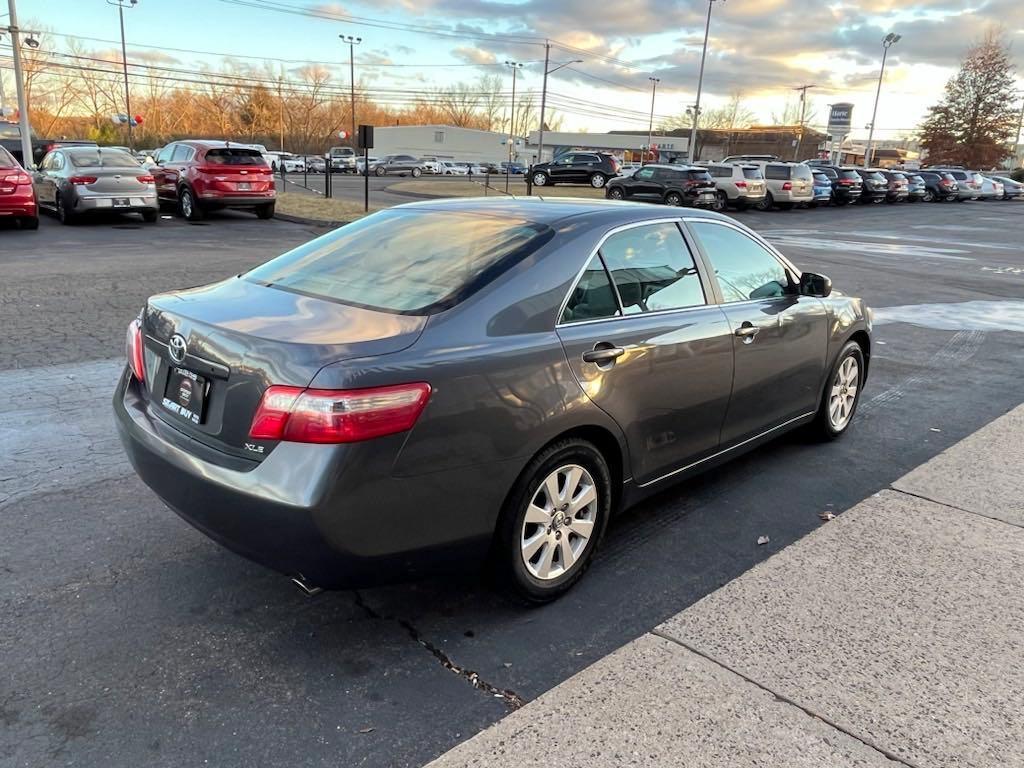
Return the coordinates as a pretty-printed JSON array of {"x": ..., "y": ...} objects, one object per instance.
[{"x": 891, "y": 636}]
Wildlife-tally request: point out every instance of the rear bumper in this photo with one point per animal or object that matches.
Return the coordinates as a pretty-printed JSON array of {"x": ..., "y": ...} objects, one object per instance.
[
  {"x": 846, "y": 193},
  {"x": 11, "y": 206},
  {"x": 333, "y": 514},
  {"x": 208, "y": 200},
  {"x": 89, "y": 203}
]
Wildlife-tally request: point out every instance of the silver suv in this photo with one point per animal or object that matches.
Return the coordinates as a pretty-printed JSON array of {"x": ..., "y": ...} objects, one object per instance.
[
  {"x": 738, "y": 184},
  {"x": 789, "y": 184}
]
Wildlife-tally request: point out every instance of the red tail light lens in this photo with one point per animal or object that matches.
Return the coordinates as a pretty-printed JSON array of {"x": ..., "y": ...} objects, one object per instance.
[
  {"x": 82, "y": 180},
  {"x": 337, "y": 416},
  {"x": 133, "y": 350},
  {"x": 16, "y": 178},
  {"x": 146, "y": 179},
  {"x": 787, "y": 186},
  {"x": 741, "y": 185}
]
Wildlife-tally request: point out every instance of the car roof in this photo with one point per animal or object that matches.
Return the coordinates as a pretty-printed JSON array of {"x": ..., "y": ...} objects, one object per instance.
[
  {"x": 676, "y": 166},
  {"x": 553, "y": 210}
]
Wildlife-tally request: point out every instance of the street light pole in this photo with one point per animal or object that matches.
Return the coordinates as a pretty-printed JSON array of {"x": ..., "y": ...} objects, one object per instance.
[
  {"x": 650, "y": 125},
  {"x": 515, "y": 66},
  {"x": 544, "y": 95},
  {"x": 691, "y": 150},
  {"x": 121, "y": 5},
  {"x": 19, "y": 81},
  {"x": 891, "y": 39},
  {"x": 352, "y": 43},
  {"x": 803, "y": 112}
]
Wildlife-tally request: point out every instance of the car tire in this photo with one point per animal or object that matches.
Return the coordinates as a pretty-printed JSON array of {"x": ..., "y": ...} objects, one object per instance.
[
  {"x": 378, "y": 171},
  {"x": 598, "y": 180},
  {"x": 721, "y": 201},
  {"x": 150, "y": 217},
  {"x": 541, "y": 179},
  {"x": 64, "y": 216},
  {"x": 928, "y": 196},
  {"x": 29, "y": 222},
  {"x": 614, "y": 193},
  {"x": 767, "y": 203},
  {"x": 188, "y": 205},
  {"x": 265, "y": 211},
  {"x": 838, "y": 407},
  {"x": 521, "y": 559},
  {"x": 674, "y": 199},
  {"x": 416, "y": 173}
]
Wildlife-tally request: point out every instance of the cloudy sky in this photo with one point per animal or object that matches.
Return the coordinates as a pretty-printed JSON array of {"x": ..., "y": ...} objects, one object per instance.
[{"x": 760, "y": 48}]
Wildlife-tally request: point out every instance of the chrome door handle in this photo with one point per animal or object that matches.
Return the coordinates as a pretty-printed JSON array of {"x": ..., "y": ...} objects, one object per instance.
[
  {"x": 603, "y": 355},
  {"x": 747, "y": 332}
]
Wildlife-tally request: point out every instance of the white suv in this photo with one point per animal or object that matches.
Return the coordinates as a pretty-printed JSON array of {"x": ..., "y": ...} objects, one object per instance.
[
  {"x": 738, "y": 184},
  {"x": 789, "y": 184}
]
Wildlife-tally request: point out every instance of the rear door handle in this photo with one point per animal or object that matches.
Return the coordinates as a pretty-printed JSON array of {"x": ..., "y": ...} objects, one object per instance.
[{"x": 603, "y": 354}]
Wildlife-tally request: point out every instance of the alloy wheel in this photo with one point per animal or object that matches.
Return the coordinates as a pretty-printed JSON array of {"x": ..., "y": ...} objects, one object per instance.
[
  {"x": 539, "y": 179},
  {"x": 673, "y": 199},
  {"x": 559, "y": 522},
  {"x": 186, "y": 204},
  {"x": 843, "y": 395},
  {"x": 597, "y": 181},
  {"x": 615, "y": 193}
]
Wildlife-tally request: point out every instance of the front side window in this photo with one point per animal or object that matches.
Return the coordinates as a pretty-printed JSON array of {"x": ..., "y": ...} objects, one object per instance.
[
  {"x": 644, "y": 174},
  {"x": 652, "y": 269},
  {"x": 405, "y": 261},
  {"x": 593, "y": 298},
  {"x": 745, "y": 269}
]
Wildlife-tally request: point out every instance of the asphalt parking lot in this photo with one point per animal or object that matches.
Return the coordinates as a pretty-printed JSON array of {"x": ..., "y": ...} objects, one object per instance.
[{"x": 127, "y": 638}]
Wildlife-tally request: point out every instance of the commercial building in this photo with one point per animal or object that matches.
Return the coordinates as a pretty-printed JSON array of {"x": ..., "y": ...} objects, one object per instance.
[
  {"x": 627, "y": 146},
  {"x": 785, "y": 141},
  {"x": 445, "y": 142}
]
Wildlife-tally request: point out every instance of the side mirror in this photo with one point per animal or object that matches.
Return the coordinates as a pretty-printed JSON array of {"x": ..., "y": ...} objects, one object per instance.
[{"x": 815, "y": 285}]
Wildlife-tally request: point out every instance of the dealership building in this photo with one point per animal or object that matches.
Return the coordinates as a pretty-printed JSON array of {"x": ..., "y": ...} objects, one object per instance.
[{"x": 445, "y": 142}]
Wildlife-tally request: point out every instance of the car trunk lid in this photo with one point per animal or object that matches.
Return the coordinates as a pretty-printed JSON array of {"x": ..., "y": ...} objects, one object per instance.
[{"x": 241, "y": 337}]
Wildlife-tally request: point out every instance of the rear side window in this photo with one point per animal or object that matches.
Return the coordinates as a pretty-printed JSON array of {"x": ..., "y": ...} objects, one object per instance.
[
  {"x": 182, "y": 153},
  {"x": 7, "y": 159},
  {"x": 652, "y": 269},
  {"x": 593, "y": 298},
  {"x": 776, "y": 172},
  {"x": 745, "y": 269},
  {"x": 233, "y": 156},
  {"x": 405, "y": 261}
]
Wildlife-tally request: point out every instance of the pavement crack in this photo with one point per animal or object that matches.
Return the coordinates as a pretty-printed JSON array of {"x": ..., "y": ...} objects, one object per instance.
[
  {"x": 786, "y": 700},
  {"x": 954, "y": 506},
  {"x": 512, "y": 699}
]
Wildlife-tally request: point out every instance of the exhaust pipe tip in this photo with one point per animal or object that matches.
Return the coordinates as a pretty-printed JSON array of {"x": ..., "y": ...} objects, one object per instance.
[{"x": 305, "y": 587}]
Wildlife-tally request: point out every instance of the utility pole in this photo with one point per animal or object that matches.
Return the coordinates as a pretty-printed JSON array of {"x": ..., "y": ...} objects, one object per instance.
[
  {"x": 515, "y": 66},
  {"x": 19, "y": 81},
  {"x": 803, "y": 112},
  {"x": 891, "y": 39},
  {"x": 650, "y": 125},
  {"x": 121, "y": 5},
  {"x": 352, "y": 43},
  {"x": 544, "y": 94},
  {"x": 691, "y": 150},
  {"x": 3, "y": 98},
  {"x": 1020, "y": 129}
]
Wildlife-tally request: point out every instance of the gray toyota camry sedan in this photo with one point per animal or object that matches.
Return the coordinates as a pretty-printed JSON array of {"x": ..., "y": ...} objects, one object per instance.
[{"x": 481, "y": 382}]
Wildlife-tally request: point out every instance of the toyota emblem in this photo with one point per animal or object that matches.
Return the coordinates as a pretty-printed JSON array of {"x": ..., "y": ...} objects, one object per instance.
[{"x": 176, "y": 348}]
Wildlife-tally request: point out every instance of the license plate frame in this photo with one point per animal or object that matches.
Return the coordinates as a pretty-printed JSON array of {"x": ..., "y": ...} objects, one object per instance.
[
  {"x": 121, "y": 202},
  {"x": 185, "y": 395},
  {"x": 245, "y": 186}
]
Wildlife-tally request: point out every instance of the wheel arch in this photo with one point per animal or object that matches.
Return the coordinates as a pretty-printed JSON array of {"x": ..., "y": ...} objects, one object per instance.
[{"x": 863, "y": 340}]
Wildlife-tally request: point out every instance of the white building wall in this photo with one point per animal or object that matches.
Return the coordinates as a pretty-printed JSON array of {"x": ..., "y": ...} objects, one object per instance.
[{"x": 444, "y": 142}]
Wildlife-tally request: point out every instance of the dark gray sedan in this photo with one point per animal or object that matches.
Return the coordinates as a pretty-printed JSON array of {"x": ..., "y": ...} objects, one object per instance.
[
  {"x": 446, "y": 385},
  {"x": 75, "y": 181}
]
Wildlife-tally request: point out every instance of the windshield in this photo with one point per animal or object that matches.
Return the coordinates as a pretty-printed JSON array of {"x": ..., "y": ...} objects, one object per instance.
[
  {"x": 107, "y": 158},
  {"x": 234, "y": 156},
  {"x": 405, "y": 261}
]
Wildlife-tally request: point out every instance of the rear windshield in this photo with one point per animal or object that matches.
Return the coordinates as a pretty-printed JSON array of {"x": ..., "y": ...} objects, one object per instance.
[
  {"x": 7, "y": 159},
  {"x": 873, "y": 175},
  {"x": 752, "y": 173},
  {"x": 899, "y": 176},
  {"x": 234, "y": 156},
  {"x": 801, "y": 172},
  {"x": 776, "y": 171},
  {"x": 10, "y": 131},
  {"x": 405, "y": 261},
  {"x": 106, "y": 158},
  {"x": 849, "y": 175},
  {"x": 821, "y": 178}
]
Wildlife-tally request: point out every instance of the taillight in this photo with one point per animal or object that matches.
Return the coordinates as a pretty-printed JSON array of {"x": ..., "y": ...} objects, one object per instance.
[
  {"x": 17, "y": 179},
  {"x": 146, "y": 179},
  {"x": 82, "y": 180},
  {"x": 741, "y": 185},
  {"x": 337, "y": 416},
  {"x": 133, "y": 349},
  {"x": 787, "y": 186}
]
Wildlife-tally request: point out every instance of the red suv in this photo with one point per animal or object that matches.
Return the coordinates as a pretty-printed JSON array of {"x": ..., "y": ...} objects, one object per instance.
[
  {"x": 201, "y": 176},
  {"x": 17, "y": 196}
]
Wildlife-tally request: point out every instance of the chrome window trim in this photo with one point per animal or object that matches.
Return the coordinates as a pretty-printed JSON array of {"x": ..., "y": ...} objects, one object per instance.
[
  {"x": 726, "y": 450},
  {"x": 622, "y": 228}
]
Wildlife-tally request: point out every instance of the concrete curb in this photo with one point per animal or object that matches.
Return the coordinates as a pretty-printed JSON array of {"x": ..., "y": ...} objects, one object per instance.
[{"x": 311, "y": 222}]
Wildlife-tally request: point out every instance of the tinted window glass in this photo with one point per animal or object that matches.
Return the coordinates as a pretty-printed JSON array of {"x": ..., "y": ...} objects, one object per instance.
[
  {"x": 720, "y": 171},
  {"x": 822, "y": 179},
  {"x": 232, "y": 156},
  {"x": 700, "y": 175},
  {"x": 405, "y": 261},
  {"x": 7, "y": 159},
  {"x": 801, "y": 172},
  {"x": 652, "y": 269},
  {"x": 10, "y": 131},
  {"x": 102, "y": 159},
  {"x": 776, "y": 171},
  {"x": 745, "y": 270},
  {"x": 849, "y": 175},
  {"x": 593, "y": 296},
  {"x": 829, "y": 172},
  {"x": 752, "y": 173},
  {"x": 182, "y": 153},
  {"x": 644, "y": 173}
]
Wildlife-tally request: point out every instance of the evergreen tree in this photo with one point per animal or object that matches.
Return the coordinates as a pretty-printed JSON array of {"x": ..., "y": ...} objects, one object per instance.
[{"x": 975, "y": 122}]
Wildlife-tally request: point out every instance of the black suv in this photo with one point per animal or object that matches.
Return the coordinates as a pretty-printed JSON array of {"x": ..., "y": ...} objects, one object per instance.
[
  {"x": 593, "y": 168},
  {"x": 939, "y": 186},
  {"x": 846, "y": 182},
  {"x": 669, "y": 184},
  {"x": 876, "y": 186}
]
